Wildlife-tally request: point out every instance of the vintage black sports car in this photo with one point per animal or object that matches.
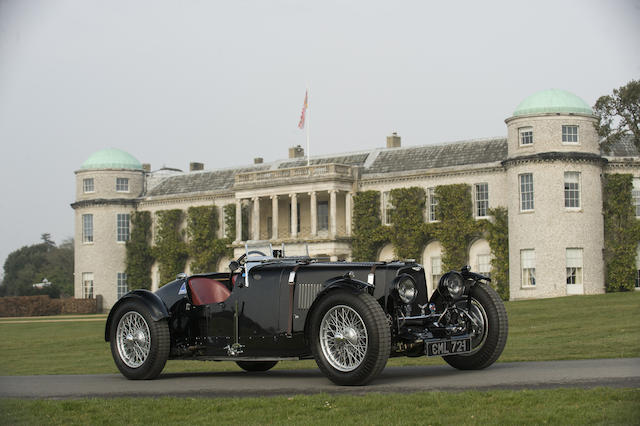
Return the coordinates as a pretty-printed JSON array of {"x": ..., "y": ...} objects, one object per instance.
[{"x": 350, "y": 317}]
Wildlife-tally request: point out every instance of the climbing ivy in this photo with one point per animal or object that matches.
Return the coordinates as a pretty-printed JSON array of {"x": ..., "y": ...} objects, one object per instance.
[
  {"x": 498, "y": 238},
  {"x": 368, "y": 233},
  {"x": 204, "y": 248},
  {"x": 230, "y": 221},
  {"x": 621, "y": 233},
  {"x": 139, "y": 257},
  {"x": 409, "y": 233},
  {"x": 456, "y": 228},
  {"x": 170, "y": 250}
]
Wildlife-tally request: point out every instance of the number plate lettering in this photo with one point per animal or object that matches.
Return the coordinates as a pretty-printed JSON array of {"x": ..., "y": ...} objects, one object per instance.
[{"x": 448, "y": 347}]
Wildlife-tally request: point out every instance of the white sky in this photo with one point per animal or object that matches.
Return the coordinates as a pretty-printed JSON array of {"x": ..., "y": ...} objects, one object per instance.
[{"x": 221, "y": 82}]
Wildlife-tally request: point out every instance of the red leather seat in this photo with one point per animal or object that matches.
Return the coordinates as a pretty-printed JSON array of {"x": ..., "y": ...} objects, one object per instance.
[{"x": 205, "y": 291}]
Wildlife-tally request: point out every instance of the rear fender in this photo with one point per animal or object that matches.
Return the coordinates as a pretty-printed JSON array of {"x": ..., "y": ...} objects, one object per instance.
[{"x": 150, "y": 300}]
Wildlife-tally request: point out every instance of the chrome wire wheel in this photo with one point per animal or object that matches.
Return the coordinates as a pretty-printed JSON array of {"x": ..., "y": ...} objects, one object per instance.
[
  {"x": 133, "y": 339},
  {"x": 343, "y": 338}
]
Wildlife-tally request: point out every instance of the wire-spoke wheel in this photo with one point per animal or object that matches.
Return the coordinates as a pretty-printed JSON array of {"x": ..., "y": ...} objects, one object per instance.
[
  {"x": 343, "y": 338},
  {"x": 139, "y": 345},
  {"x": 350, "y": 337},
  {"x": 134, "y": 339}
]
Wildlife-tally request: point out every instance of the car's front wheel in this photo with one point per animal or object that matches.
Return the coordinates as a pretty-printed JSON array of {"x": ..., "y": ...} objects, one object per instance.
[
  {"x": 139, "y": 345},
  {"x": 350, "y": 337}
]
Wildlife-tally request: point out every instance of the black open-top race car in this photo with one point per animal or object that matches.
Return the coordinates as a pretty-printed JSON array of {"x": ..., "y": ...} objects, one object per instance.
[{"x": 350, "y": 317}]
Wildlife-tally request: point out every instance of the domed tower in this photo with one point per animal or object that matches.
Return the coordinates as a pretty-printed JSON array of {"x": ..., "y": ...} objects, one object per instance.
[
  {"x": 107, "y": 186},
  {"x": 554, "y": 167}
]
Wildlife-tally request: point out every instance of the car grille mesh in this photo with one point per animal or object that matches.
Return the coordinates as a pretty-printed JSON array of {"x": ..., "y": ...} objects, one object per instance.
[{"x": 307, "y": 294}]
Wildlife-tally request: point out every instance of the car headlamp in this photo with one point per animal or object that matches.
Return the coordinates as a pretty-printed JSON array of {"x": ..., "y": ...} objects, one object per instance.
[
  {"x": 452, "y": 283},
  {"x": 406, "y": 288}
]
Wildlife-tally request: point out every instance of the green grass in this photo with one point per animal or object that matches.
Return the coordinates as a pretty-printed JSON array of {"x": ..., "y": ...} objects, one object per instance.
[
  {"x": 558, "y": 406},
  {"x": 579, "y": 327}
]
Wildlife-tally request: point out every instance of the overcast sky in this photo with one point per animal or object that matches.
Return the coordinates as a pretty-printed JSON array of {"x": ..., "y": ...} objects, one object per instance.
[{"x": 221, "y": 82}]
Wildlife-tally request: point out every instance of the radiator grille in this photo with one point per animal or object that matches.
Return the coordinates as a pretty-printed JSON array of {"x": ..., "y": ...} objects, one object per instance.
[{"x": 307, "y": 294}]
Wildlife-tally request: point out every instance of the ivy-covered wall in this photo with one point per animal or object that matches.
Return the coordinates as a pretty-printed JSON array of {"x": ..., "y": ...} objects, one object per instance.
[
  {"x": 409, "y": 233},
  {"x": 621, "y": 233},
  {"x": 204, "y": 246},
  {"x": 170, "y": 249},
  {"x": 139, "y": 256}
]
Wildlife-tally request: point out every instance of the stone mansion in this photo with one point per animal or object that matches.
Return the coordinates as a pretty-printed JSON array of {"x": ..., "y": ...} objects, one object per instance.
[{"x": 547, "y": 172}]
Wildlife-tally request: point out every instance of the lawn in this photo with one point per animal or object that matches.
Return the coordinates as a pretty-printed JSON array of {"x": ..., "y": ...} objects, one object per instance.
[
  {"x": 578, "y": 327},
  {"x": 558, "y": 406}
]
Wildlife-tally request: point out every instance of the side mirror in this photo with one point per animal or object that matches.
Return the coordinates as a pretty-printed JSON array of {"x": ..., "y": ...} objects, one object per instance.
[{"x": 233, "y": 265}]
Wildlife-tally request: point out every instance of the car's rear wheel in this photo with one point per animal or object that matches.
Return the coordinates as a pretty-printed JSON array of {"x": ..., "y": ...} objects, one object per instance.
[
  {"x": 350, "y": 337},
  {"x": 489, "y": 330},
  {"x": 256, "y": 366},
  {"x": 139, "y": 345}
]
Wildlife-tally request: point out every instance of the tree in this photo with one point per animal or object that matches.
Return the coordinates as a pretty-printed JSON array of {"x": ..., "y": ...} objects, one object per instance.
[
  {"x": 619, "y": 115},
  {"x": 32, "y": 264}
]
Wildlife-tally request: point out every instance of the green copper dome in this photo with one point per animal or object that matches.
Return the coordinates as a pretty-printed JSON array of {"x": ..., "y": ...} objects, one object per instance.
[
  {"x": 552, "y": 101},
  {"x": 111, "y": 158}
]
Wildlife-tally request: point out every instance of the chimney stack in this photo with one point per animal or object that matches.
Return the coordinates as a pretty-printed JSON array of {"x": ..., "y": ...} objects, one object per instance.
[
  {"x": 194, "y": 167},
  {"x": 146, "y": 167},
  {"x": 393, "y": 141},
  {"x": 296, "y": 152},
  {"x": 258, "y": 160}
]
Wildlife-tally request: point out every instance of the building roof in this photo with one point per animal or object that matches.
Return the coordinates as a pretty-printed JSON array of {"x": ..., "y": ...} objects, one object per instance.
[
  {"x": 623, "y": 148},
  {"x": 552, "y": 101},
  {"x": 111, "y": 158},
  {"x": 348, "y": 159},
  {"x": 438, "y": 156}
]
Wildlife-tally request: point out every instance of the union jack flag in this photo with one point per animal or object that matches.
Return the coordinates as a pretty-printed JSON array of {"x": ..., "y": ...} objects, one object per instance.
[{"x": 304, "y": 110}]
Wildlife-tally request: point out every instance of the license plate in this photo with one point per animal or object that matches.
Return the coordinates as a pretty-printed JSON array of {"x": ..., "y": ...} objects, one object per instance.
[{"x": 448, "y": 347}]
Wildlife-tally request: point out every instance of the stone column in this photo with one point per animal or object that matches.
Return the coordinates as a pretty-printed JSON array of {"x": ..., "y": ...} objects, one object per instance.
[
  {"x": 238, "y": 220},
  {"x": 313, "y": 204},
  {"x": 274, "y": 217},
  {"x": 294, "y": 215},
  {"x": 332, "y": 214},
  {"x": 347, "y": 212},
  {"x": 256, "y": 218}
]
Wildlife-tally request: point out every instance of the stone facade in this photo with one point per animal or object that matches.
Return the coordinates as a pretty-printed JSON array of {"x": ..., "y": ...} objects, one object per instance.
[{"x": 555, "y": 245}]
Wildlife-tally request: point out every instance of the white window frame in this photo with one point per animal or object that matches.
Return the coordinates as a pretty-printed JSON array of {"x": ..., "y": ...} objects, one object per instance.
[
  {"x": 572, "y": 193},
  {"x": 484, "y": 264},
  {"x": 530, "y": 203},
  {"x": 88, "y": 186},
  {"x": 87, "y": 285},
  {"x": 528, "y": 268},
  {"x": 568, "y": 135},
  {"x": 122, "y": 184},
  {"x": 123, "y": 227},
  {"x": 122, "y": 285},
  {"x": 480, "y": 204},
  {"x": 574, "y": 264},
  {"x": 525, "y": 136},
  {"x": 87, "y": 229},
  {"x": 387, "y": 207},
  {"x": 433, "y": 203},
  {"x": 635, "y": 195}
]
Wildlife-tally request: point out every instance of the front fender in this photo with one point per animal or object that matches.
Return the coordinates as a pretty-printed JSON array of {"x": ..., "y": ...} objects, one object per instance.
[{"x": 150, "y": 300}]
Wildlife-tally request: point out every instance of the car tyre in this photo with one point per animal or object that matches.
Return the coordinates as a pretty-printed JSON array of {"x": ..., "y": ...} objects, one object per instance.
[
  {"x": 350, "y": 337},
  {"x": 256, "y": 366},
  {"x": 488, "y": 306},
  {"x": 139, "y": 345}
]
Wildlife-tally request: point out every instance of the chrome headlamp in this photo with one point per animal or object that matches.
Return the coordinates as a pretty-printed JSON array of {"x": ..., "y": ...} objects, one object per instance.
[
  {"x": 406, "y": 288},
  {"x": 453, "y": 284}
]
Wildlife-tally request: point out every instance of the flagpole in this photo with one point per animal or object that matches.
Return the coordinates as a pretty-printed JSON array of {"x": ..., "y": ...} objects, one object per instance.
[{"x": 308, "y": 124}]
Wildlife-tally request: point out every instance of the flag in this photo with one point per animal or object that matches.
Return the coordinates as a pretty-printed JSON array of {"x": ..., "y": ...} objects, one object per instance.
[{"x": 304, "y": 110}]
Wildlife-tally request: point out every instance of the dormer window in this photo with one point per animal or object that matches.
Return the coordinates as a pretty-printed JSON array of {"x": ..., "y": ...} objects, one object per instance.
[
  {"x": 122, "y": 184},
  {"x": 526, "y": 135},
  {"x": 569, "y": 134},
  {"x": 87, "y": 185}
]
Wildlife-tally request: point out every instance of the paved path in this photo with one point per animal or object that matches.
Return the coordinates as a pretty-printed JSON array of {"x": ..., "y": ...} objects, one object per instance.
[{"x": 623, "y": 372}]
